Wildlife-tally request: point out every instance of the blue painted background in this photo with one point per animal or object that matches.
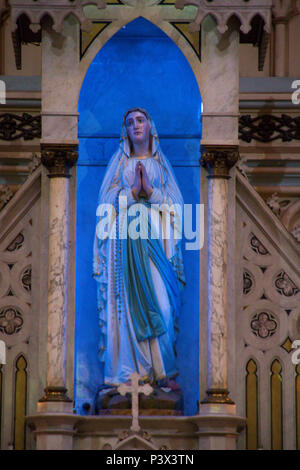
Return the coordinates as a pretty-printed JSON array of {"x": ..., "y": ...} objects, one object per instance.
[{"x": 139, "y": 66}]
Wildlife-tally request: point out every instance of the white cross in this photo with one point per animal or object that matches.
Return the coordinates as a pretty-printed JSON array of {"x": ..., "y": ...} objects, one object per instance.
[{"x": 134, "y": 389}]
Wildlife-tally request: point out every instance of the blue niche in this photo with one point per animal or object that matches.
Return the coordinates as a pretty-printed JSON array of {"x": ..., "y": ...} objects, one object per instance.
[{"x": 139, "y": 66}]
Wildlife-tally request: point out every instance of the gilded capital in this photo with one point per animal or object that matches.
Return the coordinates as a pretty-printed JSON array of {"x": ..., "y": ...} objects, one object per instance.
[
  {"x": 218, "y": 160},
  {"x": 58, "y": 159}
]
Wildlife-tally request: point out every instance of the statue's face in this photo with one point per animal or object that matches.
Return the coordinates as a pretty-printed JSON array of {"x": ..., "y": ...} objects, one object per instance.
[{"x": 138, "y": 127}]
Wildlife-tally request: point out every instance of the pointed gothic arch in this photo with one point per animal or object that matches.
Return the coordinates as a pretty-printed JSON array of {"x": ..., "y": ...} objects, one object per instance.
[
  {"x": 166, "y": 27},
  {"x": 99, "y": 125}
]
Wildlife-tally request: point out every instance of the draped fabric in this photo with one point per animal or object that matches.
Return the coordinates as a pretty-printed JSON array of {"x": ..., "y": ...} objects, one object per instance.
[{"x": 138, "y": 280}]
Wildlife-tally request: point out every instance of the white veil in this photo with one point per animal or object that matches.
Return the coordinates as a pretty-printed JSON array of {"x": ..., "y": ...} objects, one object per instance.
[{"x": 109, "y": 193}]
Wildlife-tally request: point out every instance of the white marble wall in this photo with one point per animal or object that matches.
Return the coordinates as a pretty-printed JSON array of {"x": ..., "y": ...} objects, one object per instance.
[
  {"x": 220, "y": 85},
  {"x": 60, "y": 81}
]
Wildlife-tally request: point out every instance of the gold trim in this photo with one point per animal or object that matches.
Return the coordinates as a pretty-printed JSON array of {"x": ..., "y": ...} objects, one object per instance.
[
  {"x": 20, "y": 404},
  {"x": 217, "y": 395},
  {"x": 55, "y": 394},
  {"x": 276, "y": 405},
  {"x": 252, "y": 405}
]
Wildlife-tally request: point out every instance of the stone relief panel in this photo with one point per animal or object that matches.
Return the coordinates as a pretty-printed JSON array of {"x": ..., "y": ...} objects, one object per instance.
[
  {"x": 288, "y": 212},
  {"x": 268, "y": 321},
  {"x": 18, "y": 326}
]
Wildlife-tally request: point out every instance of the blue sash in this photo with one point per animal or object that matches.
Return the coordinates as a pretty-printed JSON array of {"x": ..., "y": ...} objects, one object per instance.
[{"x": 144, "y": 308}]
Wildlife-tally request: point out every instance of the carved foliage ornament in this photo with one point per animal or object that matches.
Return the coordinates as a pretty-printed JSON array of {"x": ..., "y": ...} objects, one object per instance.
[
  {"x": 58, "y": 159},
  {"x": 6, "y": 194},
  {"x": 267, "y": 128},
  {"x": 13, "y": 126},
  {"x": 58, "y": 10},
  {"x": 222, "y": 10},
  {"x": 219, "y": 160}
]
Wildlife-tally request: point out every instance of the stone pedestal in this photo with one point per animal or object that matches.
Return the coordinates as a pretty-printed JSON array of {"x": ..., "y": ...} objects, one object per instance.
[
  {"x": 157, "y": 433},
  {"x": 53, "y": 425},
  {"x": 218, "y": 426}
]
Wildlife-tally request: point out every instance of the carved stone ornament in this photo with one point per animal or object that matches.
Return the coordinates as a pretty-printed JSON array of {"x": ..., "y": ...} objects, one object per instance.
[
  {"x": 247, "y": 282},
  {"x": 284, "y": 11},
  {"x": 17, "y": 243},
  {"x": 58, "y": 10},
  {"x": 285, "y": 286},
  {"x": 267, "y": 128},
  {"x": 218, "y": 160},
  {"x": 222, "y": 10},
  {"x": 257, "y": 246},
  {"x": 263, "y": 325},
  {"x": 3, "y": 10},
  {"x": 5, "y": 195},
  {"x": 58, "y": 159},
  {"x": 11, "y": 320},
  {"x": 296, "y": 233},
  {"x": 14, "y": 126}
]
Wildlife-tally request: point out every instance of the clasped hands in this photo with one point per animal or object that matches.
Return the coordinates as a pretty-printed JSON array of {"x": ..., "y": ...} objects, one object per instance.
[{"x": 141, "y": 186}]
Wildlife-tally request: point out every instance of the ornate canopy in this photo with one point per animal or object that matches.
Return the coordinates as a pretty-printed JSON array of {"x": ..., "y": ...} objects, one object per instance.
[{"x": 221, "y": 10}]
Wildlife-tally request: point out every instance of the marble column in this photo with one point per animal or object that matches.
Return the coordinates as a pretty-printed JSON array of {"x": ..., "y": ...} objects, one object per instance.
[
  {"x": 218, "y": 425},
  {"x": 60, "y": 63},
  {"x": 54, "y": 422},
  {"x": 219, "y": 145},
  {"x": 58, "y": 159},
  {"x": 218, "y": 162}
]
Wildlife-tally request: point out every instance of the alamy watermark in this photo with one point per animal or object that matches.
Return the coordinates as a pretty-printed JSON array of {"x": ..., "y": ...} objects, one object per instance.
[
  {"x": 2, "y": 92},
  {"x": 155, "y": 221},
  {"x": 296, "y": 354},
  {"x": 296, "y": 94}
]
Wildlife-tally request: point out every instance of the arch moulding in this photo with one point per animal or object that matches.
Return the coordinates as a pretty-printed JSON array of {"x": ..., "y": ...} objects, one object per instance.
[{"x": 116, "y": 25}]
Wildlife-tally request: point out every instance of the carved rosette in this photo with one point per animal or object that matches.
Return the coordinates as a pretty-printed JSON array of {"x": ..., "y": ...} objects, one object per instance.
[
  {"x": 218, "y": 160},
  {"x": 58, "y": 159}
]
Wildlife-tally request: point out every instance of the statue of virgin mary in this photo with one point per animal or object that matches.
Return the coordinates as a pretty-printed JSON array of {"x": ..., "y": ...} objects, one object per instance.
[{"x": 139, "y": 279}]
